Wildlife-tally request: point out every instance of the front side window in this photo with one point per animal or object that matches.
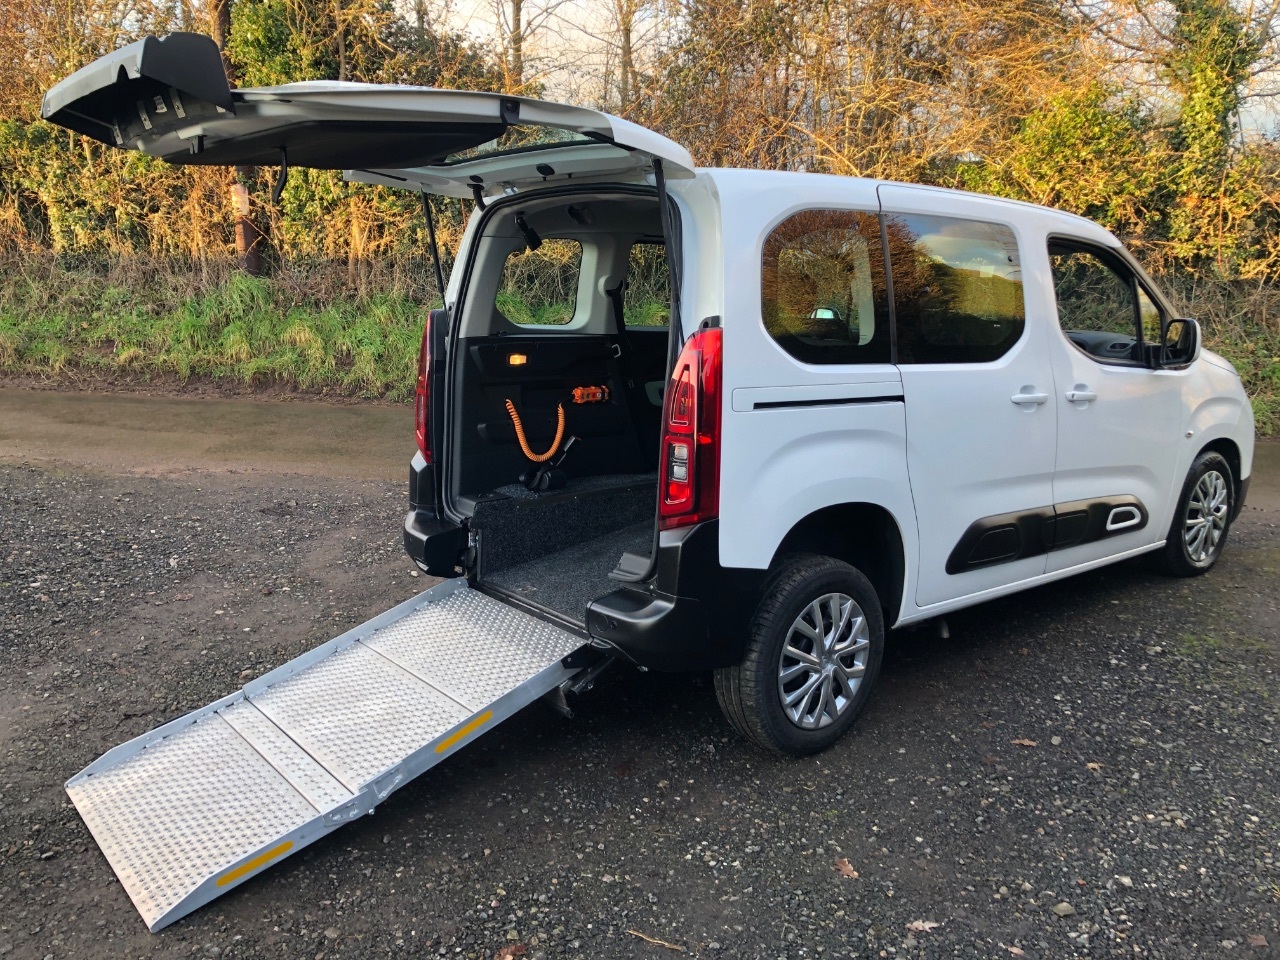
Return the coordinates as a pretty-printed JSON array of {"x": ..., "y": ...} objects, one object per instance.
[
  {"x": 824, "y": 298},
  {"x": 957, "y": 288},
  {"x": 1101, "y": 309},
  {"x": 540, "y": 287}
]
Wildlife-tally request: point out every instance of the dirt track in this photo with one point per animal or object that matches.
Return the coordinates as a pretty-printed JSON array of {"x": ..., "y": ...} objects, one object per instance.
[{"x": 154, "y": 557}]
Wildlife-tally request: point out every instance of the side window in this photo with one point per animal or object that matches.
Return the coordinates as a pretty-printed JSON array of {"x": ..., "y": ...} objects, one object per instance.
[
  {"x": 1099, "y": 305},
  {"x": 541, "y": 286},
  {"x": 646, "y": 301},
  {"x": 823, "y": 295},
  {"x": 957, "y": 288}
]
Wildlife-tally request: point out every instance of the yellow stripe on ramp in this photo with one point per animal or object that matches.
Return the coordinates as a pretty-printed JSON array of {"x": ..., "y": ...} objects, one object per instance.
[
  {"x": 255, "y": 863},
  {"x": 471, "y": 727}
]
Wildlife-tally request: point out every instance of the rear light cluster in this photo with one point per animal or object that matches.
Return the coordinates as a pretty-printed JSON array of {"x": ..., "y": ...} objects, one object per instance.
[
  {"x": 691, "y": 434},
  {"x": 422, "y": 395}
]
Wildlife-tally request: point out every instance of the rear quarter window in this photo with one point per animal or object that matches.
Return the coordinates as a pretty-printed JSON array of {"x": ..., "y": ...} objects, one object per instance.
[
  {"x": 540, "y": 287},
  {"x": 823, "y": 291},
  {"x": 957, "y": 288},
  {"x": 646, "y": 301}
]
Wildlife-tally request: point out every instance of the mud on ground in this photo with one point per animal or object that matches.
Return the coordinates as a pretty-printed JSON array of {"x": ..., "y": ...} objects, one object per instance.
[{"x": 1143, "y": 822}]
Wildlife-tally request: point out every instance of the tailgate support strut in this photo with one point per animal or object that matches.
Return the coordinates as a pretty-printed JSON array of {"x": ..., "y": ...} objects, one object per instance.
[{"x": 435, "y": 247}]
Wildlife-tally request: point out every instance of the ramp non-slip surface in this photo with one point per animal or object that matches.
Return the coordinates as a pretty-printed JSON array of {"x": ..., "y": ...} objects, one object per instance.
[{"x": 186, "y": 812}]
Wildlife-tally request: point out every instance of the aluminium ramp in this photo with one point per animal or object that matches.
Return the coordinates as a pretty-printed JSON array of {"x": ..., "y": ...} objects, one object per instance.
[{"x": 197, "y": 806}]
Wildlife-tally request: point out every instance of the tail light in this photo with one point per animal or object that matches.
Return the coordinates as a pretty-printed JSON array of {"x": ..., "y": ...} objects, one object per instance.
[
  {"x": 691, "y": 435},
  {"x": 422, "y": 396}
]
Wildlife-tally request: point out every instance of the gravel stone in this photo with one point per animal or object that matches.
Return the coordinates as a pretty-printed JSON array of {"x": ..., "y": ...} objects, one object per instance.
[{"x": 710, "y": 845}]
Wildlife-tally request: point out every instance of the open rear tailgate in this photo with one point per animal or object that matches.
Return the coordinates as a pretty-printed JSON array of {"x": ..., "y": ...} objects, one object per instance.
[
  {"x": 170, "y": 98},
  {"x": 148, "y": 89}
]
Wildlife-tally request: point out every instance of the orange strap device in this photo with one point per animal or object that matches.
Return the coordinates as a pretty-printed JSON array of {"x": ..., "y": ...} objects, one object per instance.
[{"x": 524, "y": 441}]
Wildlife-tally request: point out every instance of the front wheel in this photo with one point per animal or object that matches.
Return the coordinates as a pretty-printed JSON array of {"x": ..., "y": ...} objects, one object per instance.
[
  {"x": 813, "y": 653},
  {"x": 1202, "y": 518}
]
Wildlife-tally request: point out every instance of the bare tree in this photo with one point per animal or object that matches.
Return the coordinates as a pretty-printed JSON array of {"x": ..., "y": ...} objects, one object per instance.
[
  {"x": 520, "y": 24},
  {"x": 902, "y": 89},
  {"x": 249, "y": 233}
]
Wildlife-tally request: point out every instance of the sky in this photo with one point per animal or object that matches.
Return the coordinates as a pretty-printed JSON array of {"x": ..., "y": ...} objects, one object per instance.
[{"x": 569, "y": 50}]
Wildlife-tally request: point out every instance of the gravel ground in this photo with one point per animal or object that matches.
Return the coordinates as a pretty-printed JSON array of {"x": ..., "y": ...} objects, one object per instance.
[{"x": 1140, "y": 818}]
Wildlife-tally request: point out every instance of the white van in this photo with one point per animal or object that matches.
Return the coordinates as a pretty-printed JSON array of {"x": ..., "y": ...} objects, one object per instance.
[{"x": 873, "y": 403}]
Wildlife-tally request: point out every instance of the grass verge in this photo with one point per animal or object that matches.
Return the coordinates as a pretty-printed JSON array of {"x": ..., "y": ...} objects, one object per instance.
[
  {"x": 133, "y": 323},
  {"x": 322, "y": 330}
]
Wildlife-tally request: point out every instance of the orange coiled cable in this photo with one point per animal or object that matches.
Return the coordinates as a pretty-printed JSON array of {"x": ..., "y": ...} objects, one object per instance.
[{"x": 524, "y": 442}]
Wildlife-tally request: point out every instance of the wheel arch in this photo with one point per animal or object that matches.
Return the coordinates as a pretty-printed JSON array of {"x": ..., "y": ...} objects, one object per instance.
[
  {"x": 864, "y": 535},
  {"x": 1229, "y": 450}
]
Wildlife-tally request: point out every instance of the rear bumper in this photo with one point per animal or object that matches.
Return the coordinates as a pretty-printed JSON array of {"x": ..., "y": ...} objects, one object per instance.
[
  {"x": 433, "y": 544},
  {"x": 689, "y": 617},
  {"x": 655, "y": 630}
]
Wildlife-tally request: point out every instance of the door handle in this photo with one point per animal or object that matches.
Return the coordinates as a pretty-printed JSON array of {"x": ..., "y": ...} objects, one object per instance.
[
  {"x": 1080, "y": 395},
  {"x": 1036, "y": 398}
]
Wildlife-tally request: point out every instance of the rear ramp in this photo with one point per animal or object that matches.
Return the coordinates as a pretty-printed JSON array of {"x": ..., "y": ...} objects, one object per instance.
[{"x": 201, "y": 804}]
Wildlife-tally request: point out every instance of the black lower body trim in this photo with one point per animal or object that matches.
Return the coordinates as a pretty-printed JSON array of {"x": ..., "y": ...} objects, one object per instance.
[
  {"x": 1007, "y": 537},
  {"x": 1244, "y": 494}
]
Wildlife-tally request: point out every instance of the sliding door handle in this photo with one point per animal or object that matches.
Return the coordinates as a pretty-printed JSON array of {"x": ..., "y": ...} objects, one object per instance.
[
  {"x": 1081, "y": 396},
  {"x": 1036, "y": 398}
]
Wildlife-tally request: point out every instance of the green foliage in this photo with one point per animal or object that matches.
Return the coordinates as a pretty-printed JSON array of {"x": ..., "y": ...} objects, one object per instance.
[
  {"x": 268, "y": 47},
  {"x": 281, "y": 41},
  {"x": 1091, "y": 151},
  {"x": 161, "y": 319},
  {"x": 541, "y": 286},
  {"x": 66, "y": 194},
  {"x": 55, "y": 320},
  {"x": 1241, "y": 321},
  {"x": 1206, "y": 66}
]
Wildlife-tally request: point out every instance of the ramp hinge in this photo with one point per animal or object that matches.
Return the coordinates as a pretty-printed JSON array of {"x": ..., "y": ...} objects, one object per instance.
[
  {"x": 558, "y": 702},
  {"x": 586, "y": 679}
]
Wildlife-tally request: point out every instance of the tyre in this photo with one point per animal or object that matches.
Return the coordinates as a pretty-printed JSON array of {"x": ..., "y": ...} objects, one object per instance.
[
  {"x": 813, "y": 653},
  {"x": 1201, "y": 519}
]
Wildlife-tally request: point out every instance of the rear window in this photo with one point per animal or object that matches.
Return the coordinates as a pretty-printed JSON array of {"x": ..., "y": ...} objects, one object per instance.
[
  {"x": 540, "y": 287},
  {"x": 957, "y": 288},
  {"x": 646, "y": 301},
  {"x": 518, "y": 138},
  {"x": 824, "y": 297}
]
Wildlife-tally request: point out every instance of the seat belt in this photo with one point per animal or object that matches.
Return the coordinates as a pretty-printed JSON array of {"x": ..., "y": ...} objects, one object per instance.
[
  {"x": 624, "y": 363},
  {"x": 619, "y": 323}
]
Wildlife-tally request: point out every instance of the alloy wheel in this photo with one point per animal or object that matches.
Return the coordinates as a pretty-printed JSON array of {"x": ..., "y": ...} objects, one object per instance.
[
  {"x": 823, "y": 661},
  {"x": 1205, "y": 520}
]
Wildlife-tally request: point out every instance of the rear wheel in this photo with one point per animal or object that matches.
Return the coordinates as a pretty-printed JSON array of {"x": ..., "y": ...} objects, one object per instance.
[
  {"x": 814, "y": 651},
  {"x": 1202, "y": 518}
]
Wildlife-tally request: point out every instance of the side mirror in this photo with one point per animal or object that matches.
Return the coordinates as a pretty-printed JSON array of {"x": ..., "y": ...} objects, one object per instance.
[{"x": 1181, "y": 342}]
